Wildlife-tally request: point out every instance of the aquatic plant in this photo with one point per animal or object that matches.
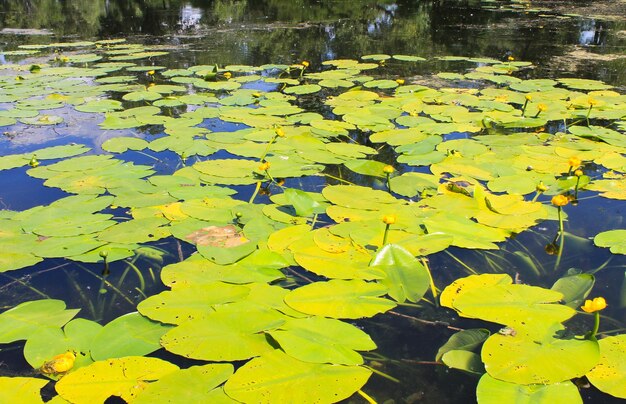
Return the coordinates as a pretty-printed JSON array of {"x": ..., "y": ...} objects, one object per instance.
[{"x": 278, "y": 282}]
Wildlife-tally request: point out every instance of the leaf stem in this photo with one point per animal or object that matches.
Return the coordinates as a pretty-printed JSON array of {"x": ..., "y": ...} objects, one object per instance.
[
  {"x": 433, "y": 287},
  {"x": 561, "y": 241},
  {"x": 367, "y": 398}
]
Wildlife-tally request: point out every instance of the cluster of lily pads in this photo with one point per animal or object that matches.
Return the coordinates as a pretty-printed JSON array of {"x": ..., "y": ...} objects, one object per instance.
[{"x": 288, "y": 251}]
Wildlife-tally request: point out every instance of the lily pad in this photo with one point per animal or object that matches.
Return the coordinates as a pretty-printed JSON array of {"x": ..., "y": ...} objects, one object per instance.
[
  {"x": 124, "y": 377},
  {"x": 278, "y": 378}
]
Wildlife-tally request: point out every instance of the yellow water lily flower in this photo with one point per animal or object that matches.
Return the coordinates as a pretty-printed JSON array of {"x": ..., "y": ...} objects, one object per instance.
[
  {"x": 265, "y": 166},
  {"x": 574, "y": 161},
  {"x": 388, "y": 169},
  {"x": 578, "y": 173},
  {"x": 597, "y": 304},
  {"x": 389, "y": 219},
  {"x": 279, "y": 132},
  {"x": 542, "y": 107},
  {"x": 228, "y": 75},
  {"x": 510, "y": 58},
  {"x": 529, "y": 97},
  {"x": 305, "y": 63},
  {"x": 150, "y": 72},
  {"x": 560, "y": 200},
  {"x": 59, "y": 364},
  {"x": 400, "y": 81}
]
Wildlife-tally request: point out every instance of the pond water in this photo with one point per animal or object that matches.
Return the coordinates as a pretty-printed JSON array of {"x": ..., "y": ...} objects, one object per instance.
[{"x": 183, "y": 40}]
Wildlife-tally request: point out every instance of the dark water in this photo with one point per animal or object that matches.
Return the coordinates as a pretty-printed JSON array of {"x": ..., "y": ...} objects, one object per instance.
[{"x": 566, "y": 39}]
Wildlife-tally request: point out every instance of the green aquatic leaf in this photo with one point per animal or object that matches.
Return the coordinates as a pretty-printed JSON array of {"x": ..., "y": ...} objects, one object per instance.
[
  {"x": 322, "y": 340},
  {"x": 194, "y": 384},
  {"x": 224, "y": 336},
  {"x": 76, "y": 336},
  {"x": 195, "y": 301},
  {"x": 124, "y": 377},
  {"x": 122, "y": 144},
  {"x": 136, "y": 231},
  {"x": 609, "y": 374},
  {"x": 575, "y": 288},
  {"x": 303, "y": 89},
  {"x": 406, "y": 278},
  {"x": 340, "y": 299},
  {"x": 27, "y": 319},
  {"x": 100, "y": 106},
  {"x": 614, "y": 239},
  {"x": 536, "y": 355},
  {"x": 127, "y": 335},
  {"x": 278, "y": 378},
  {"x": 463, "y": 360},
  {"x": 302, "y": 202},
  {"x": 493, "y": 391},
  {"x": 26, "y": 390},
  {"x": 465, "y": 340}
]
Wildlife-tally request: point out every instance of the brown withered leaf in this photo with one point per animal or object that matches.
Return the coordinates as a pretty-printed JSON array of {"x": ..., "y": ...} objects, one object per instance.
[{"x": 218, "y": 236}]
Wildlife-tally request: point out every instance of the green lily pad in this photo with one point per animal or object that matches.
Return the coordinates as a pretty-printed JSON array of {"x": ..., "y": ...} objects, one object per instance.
[
  {"x": 321, "y": 340},
  {"x": 493, "y": 391},
  {"x": 535, "y": 356},
  {"x": 25, "y": 390},
  {"x": 194, "y": 384},
  {"x": 26, "y": 319},
  {"x": 278, "y": 378},
  {"x": 340, "y": 299},
  {"x": 614, "y": 239},
  {"x": 127, "y": 335},
  {"x": 406, "y": 278},
  {"x": 123, "y": 377},
  {"x": 609, "y": 374},
  {"x": 77, "y": 336},
  {"x": 183, "y": 304},
  {"x": 222, "y": 336}
]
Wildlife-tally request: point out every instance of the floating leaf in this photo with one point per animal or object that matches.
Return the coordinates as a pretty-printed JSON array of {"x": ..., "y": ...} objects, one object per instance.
[
  {"x": 26, "y": 319},
  {"x": 493, "y": 391},
  {"x": 340, "y": 299},
  {"x": 322, "y": 340},
  {"x": 127, "y": 335},
  {"x": 25, "y": 390},
  {"x": 609, "y": 375},
  {"x": 278, "y": 378},
  {"x": 77, "y": 336},
  {"x": 406, "y": 278},
  {"x": 124, "y": 377},
  {"x": 535, "y": 356},
  {"x": 192, "y": 385},
  {"x": 614, "y": 239},
  {"x": 180, "y": 305},
  {"x": 465, "y": 340}
]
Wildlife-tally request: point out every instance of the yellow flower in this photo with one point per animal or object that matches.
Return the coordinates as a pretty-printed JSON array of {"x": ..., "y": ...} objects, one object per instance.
[
  {"x": 574, "y": 162},
  {"x": 265, "y": 166},
  {"x": 542, "y": 107},
  {"x": 388, "y": 169},
  {"x": 305, "y": 63},
  {"x": 150, "y": 72},
  {"x": 529, "y": 97},
  {"x": 578, "y": 173},
  {"x": 389, "y": 219},
  {"x": 400, "y": 81},
  {"x": 560, "y": 200},
  {"x": 256, "y": 95},
  {"x": 510, "y": 58},
  {"x": 59, "y": 364},
  {"x": 594, "y": 305},
  {"x": 228, "y": 75},
  {"x": 151, "y": 85},
  {"x": 279, "y": 132},
  {"x": 592, "y": 101},
  {"x": 541, "y": 187}
]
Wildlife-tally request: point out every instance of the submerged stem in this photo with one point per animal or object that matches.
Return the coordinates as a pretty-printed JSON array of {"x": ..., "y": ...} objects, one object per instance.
[
  {"x": 561, "y": 240},
  {"x": 433, "y": 288},
  {"x": 256, "y": 191}
]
